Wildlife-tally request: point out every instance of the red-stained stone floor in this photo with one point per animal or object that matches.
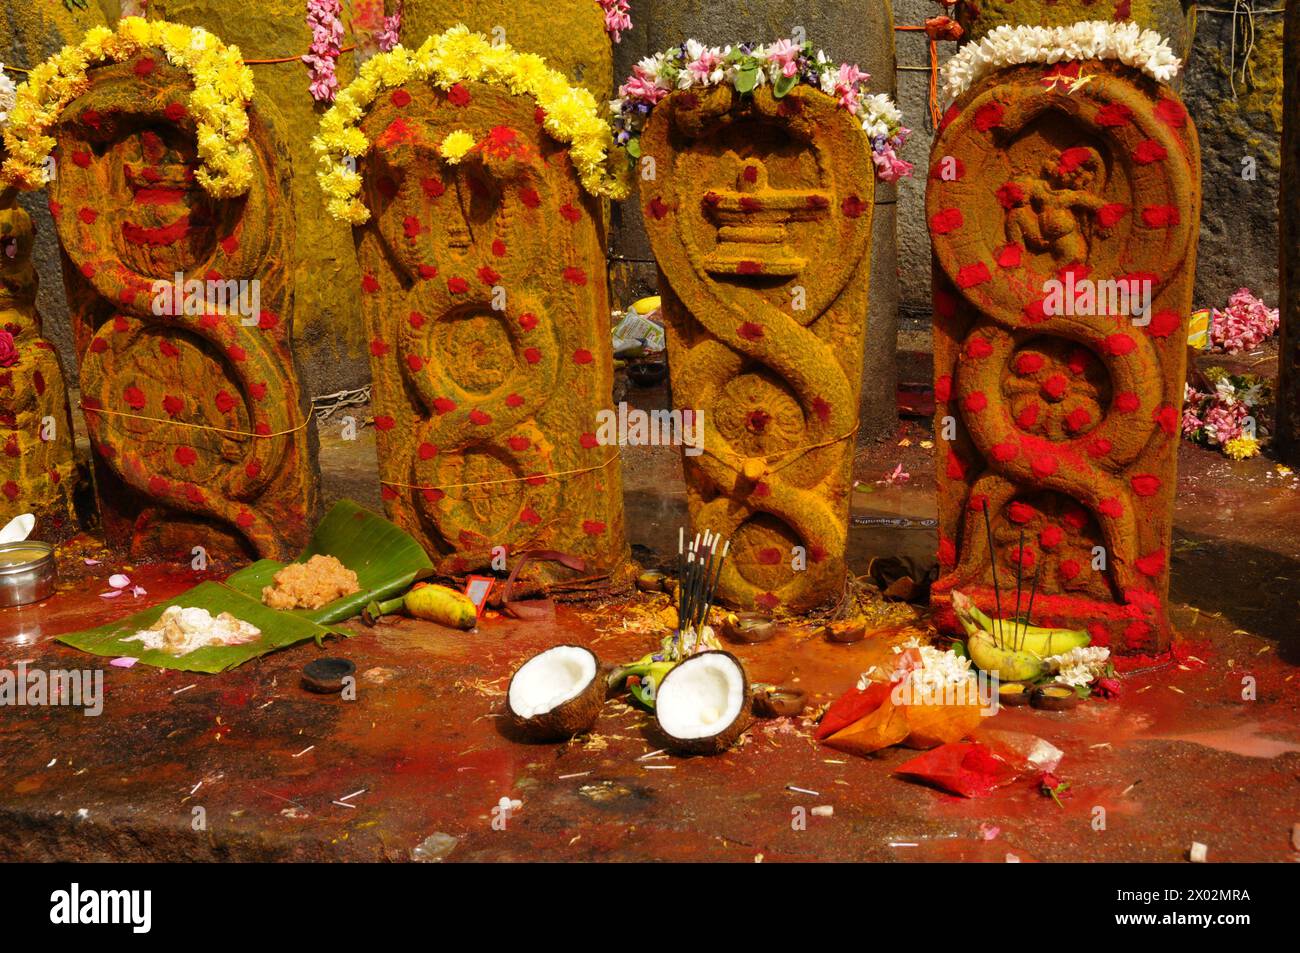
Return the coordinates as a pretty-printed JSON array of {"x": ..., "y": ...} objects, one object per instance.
[{"x": 1180, "y": 757}]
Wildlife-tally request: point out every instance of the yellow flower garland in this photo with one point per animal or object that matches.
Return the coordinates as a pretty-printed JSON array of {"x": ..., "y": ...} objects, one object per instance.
[
  {"x": 459, "y": 56},
  {"x": 223, "y": 88}
]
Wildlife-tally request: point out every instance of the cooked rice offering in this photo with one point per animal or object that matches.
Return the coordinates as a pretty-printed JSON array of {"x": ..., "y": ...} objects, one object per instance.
[
  {"x": 310, "y": 585},
  {"x": 181, "y": 630}
]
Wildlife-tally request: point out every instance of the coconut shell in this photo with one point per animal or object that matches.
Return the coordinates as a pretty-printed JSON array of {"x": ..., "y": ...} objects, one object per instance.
[
  {"x": 564, "y": 721},
  {"x": 722, "y": 740}
]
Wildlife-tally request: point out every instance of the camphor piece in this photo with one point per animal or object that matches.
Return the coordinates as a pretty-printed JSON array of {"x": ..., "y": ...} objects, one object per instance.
[
  {"x": 702, "y": 706},
  {"x": 557, "y": 694}
]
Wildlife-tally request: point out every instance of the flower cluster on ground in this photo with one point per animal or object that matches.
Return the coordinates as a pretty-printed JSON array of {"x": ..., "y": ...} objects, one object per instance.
[
  {"x": 223, "y": 88},
  {"x": 1244, "y": 324},
  {"x": 1008, "y": 45},
  {"x": 1228, "y": 416},
  {"x": 569, "y": 114},
  {"x": 783, "y": 65}
]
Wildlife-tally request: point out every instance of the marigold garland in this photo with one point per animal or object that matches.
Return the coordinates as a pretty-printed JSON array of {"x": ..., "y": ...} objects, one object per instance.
[
  {"x": 223, "y": 88},
  {"x": 571, "y": 114}
]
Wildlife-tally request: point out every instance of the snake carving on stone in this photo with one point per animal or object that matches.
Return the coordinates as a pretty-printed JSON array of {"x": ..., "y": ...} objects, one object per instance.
[
  {"x": 759, "y": 214},
  {"x": 192, "y": 402},
  {"x": 1063, "y": 219},
  {"x": 486, "y": 302}
]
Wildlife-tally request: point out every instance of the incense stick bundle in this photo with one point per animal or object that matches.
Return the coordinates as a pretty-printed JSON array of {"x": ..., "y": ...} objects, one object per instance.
[{"x": 699, "y": 566}]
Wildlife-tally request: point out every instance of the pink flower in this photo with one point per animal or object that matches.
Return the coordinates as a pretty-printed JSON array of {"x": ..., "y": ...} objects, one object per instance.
[
  {"x": 850, "y": 75},
  {"x": 8, "y": 350},
  {"x": 390, "y": 35},
  {"x": 617, "y": 17},
  {"x": 641, "y": 86},
  {"x": 785, "y": 54},
  {"x": 706, "y": 63},
  {"x": 889, "y": 166},
  {"x": 326, "y": 40}
]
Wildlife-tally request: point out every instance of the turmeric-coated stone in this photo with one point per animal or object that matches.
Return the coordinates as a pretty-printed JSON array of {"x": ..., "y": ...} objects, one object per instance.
[
  {"x": 759, "y": 215},
  {"x": 484, "y": 292},
  {"x": 181, "y": 312},
  {"x": 1063, "y": 204}
]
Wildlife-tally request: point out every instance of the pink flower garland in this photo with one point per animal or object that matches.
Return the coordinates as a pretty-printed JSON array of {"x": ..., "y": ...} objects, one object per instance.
[
  {"x": 390, "y": 35},
  {"x": 618, "y": 17},
  {"x": 326, "y": 43}
]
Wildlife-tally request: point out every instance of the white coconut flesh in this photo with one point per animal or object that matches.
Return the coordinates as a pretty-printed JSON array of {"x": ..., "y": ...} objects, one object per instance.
[
  {"x": 550, "y": 679},
  {"x": 700, "y": 697}
]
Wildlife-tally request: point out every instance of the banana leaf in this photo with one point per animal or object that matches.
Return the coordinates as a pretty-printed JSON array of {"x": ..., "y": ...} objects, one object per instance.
[
  {"x": 279, "y": 630},
  {"x": 385, "y": 559}
]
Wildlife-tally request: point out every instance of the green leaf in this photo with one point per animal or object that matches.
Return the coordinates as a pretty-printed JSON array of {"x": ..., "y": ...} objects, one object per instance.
[
  {"x": 746, "y": 79},
  {"x": 279, "y": 630},
  {"x": 781, "y": 88},
  {"x": 385, "y": 559},
  {"x": 634, "y": 148}
]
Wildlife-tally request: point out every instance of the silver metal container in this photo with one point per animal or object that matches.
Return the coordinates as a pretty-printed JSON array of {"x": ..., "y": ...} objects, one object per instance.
[{"x": 27, "y": 573}]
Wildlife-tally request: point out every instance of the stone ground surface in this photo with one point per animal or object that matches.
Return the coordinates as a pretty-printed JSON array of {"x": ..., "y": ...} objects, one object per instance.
[{"x": 1180, "y": 757}]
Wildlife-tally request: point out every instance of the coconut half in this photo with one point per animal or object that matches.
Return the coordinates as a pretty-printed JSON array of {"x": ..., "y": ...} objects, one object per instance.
[
  {"x": 702, "y": 706},
  {"x": 557, "y": 694}
]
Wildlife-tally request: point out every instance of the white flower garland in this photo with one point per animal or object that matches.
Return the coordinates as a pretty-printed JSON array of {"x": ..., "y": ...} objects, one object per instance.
[
  {"x": 783, "y": 65},
  {"x": 1127, "y": 42}
]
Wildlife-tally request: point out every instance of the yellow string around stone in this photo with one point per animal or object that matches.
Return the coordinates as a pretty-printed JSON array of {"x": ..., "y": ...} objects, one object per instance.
[{"x": 183, "y": 423}]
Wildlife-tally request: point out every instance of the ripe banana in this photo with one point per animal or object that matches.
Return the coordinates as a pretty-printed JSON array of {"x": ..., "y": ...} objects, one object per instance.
[
  {"x": 1036, "y": 639},
  {"x": 1007, "y": 664}
]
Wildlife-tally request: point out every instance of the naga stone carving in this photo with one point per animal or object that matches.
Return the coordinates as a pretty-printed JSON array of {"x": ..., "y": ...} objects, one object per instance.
[
  {"x": 485, "y": 298},
  {"x": 759, "y": 213},
  {"x": 182, "y": 314},
  {"x": 1063, "y": 205}
]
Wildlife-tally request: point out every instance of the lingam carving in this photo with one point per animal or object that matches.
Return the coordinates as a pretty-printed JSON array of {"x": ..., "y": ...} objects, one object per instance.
[
  {"x": 486, "y": 302},
  {"x": 37, "y": 471},
  {"x": 759, "y": 214},
  {"x": 1063, "y": 222},
  {"x": 182, "y": 313}
]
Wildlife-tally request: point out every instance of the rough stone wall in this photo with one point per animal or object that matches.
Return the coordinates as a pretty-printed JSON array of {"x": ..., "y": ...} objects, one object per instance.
[
  {"x": 1240, "y": 134},
  {"x": 1288, "y": 418}
]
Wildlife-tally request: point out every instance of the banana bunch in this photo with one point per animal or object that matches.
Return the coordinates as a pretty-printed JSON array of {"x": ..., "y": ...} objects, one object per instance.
[{"x": 1014, "y": 651}]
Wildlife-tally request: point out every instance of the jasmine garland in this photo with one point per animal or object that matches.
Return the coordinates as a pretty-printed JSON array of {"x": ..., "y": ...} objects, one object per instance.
[{"x": 1005, "y": 46}]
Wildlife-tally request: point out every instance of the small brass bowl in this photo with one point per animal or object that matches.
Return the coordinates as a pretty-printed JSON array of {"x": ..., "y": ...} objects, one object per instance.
[{"x": 748, "y": 627}]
